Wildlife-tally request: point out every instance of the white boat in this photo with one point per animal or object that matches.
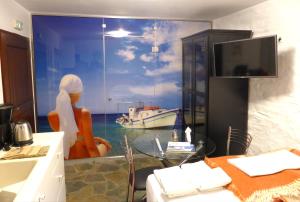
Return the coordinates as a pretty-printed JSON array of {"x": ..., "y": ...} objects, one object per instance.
[{"x": 148, "y": 117}]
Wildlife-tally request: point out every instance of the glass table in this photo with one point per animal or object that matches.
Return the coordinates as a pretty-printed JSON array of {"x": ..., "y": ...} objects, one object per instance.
[{"x": 146, "y": 144}]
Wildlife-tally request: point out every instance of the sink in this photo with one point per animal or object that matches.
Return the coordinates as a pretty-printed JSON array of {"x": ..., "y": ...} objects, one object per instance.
[{"x": 13, "y": 174}]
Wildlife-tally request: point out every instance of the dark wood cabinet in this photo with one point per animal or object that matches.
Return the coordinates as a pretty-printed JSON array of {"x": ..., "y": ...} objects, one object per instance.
[
  {"x": 210, "y": 104},
  {"x": 17, "y": 75}
]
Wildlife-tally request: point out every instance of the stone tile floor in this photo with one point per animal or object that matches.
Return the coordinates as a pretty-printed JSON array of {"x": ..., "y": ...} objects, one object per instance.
[{"x": 102, "y": 179}]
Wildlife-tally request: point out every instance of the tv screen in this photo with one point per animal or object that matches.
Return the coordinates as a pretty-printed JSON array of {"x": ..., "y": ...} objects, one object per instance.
[{"x": 256, "y": 57}]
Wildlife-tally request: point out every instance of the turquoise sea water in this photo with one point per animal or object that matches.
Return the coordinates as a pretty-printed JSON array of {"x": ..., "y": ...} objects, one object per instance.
[{"x": 104, "y": 126}]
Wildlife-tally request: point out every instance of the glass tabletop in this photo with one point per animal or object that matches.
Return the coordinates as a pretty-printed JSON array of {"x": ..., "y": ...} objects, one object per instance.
[{"x": 146, "y": 144}]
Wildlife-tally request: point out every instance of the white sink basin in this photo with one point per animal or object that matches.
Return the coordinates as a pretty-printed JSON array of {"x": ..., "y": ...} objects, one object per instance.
[{"x": 13, "y": 174}]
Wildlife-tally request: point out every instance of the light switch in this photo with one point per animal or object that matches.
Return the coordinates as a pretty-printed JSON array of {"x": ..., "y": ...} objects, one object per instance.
[{"x": 18, "y": 25}]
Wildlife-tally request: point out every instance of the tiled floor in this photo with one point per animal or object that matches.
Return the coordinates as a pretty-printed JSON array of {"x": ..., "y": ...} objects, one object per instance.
[{"x": 101, "y": 179}]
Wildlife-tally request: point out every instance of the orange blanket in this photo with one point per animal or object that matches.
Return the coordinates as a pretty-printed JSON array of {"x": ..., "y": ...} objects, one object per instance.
[{"x": 277, "y": 186}]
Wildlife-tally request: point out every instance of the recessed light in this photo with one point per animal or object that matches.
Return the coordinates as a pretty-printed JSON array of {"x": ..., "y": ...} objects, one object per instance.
[{"x": 118, "y": 33}]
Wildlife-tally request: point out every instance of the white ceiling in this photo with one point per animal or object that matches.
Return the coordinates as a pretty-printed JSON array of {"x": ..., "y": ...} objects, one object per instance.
[{"x": 167, "y": 9}]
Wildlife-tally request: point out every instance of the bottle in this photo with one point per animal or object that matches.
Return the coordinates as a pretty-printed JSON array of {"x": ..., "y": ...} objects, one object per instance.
[
  {"x": 188, "y": 137},
  {"x": 174, "y": 136}
]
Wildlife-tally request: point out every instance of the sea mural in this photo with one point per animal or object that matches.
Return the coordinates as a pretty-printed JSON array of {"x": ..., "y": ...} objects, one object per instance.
[{"x": 130, "y": 69}]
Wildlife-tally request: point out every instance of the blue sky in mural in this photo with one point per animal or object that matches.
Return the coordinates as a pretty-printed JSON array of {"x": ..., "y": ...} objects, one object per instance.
[{"x": 129, "y": 73}]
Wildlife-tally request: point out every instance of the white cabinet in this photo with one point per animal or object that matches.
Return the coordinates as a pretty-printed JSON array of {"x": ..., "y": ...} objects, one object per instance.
[
  {"x": 52, "y": 187},
  {"x": 46, "y": 182},
  {"x": 62, "y": 194}
]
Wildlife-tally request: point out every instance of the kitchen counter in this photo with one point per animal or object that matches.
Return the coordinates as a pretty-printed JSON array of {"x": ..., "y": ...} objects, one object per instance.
[{"x": 35, "y": 179}]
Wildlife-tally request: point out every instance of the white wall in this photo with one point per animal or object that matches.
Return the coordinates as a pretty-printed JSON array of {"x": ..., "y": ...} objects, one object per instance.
[
  {"x": 274, "y": 104},
  {"x": 9, "y": 11}
]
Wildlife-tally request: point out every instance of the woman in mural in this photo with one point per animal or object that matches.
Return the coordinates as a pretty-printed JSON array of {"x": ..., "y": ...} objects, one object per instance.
[{"x": 79, "y": 141}]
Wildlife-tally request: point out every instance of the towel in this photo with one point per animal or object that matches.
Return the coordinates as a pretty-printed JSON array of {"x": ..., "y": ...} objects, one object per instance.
[
  {"x": 214, "y": 179},
  {"x": 267, "y": 163},
  {"x": 26, "y": 152},
  {"x": 191, "y": 178},
  {"x": 174, "y": 182},
  {"x": 203, "y": 177}
]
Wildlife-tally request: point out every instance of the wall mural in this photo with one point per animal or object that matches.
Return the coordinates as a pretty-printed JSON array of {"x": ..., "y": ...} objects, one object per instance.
[{"x": 100, "y": 78}]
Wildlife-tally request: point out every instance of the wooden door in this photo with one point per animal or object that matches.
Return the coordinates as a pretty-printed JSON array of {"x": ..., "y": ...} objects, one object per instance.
[{"x": 16, "y": 75}]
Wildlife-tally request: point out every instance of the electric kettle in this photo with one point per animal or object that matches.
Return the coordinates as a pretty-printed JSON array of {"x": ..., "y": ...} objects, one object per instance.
[{"x": 22, "y": 133}]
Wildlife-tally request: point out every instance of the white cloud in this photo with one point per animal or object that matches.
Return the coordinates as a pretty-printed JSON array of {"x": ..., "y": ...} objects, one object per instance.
[
  {"x": 167, "y": 69},
  {"x": 119, "y": 92},
  {"x": 155, "y": 90},
  {"x": 128, "y": 53},
  {"x": 52, "y": 69},
  {"x": 122, "y": 71},
  {"x": 144, "y": 67},
  {"x": 147, "y": 57},
  {"x": 170, "y": 32},
  {"x": 172, "y": 58},
  {"x": 131, "y": 47},
  {"x": 118, "y": 71}
]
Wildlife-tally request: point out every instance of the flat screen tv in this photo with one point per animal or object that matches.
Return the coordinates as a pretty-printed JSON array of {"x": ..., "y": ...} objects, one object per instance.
[{"x": 256, "y": 57}]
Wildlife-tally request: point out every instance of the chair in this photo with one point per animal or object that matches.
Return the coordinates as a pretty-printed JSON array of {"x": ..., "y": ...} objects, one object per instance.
[
  {"x": 131, "y": 176},
  {"x": 237, "y": 142},
  {"x": 137, "y": 178}
]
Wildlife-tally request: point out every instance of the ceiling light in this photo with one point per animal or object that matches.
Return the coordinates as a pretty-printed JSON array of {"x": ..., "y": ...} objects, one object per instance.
[{"x": 118, "y": 33}]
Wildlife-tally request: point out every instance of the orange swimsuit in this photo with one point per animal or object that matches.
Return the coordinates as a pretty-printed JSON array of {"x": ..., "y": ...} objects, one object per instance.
[{"x": 85, "y": 145}]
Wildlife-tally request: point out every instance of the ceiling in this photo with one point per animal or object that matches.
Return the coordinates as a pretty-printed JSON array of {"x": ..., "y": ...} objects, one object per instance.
[{"x": 166, "y": 9}]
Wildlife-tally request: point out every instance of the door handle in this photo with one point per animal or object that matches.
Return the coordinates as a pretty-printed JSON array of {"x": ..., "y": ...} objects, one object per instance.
[
  {"x": 58, "y": 154},
  {"x": 41, "y": 197},
  {"x": 60, "y": 178}
]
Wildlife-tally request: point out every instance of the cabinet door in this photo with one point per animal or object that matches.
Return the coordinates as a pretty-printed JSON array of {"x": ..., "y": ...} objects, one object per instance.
[
  {"x": 187, "y": 79},
  {"x": 16, "y": 75},
  {"x": 52, "y": 189},
  {"x": 61, "y": 197},
  {"x": 188, "y": 63},
  {"x": 200, "y": 96}
]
